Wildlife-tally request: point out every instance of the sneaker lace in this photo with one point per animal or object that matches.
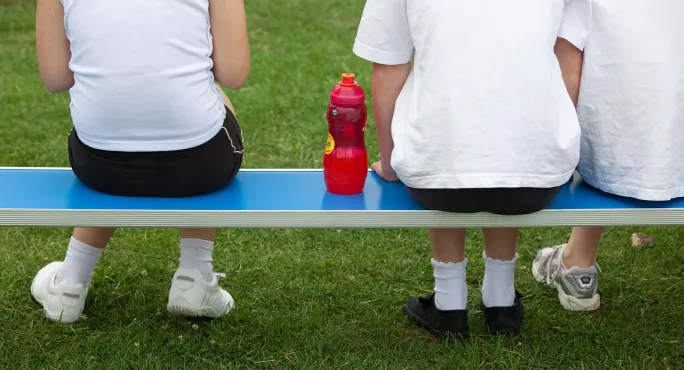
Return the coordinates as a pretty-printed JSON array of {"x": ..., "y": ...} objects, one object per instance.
[
  {"x": 219, "y": 275},
  {"x": 551, "y": 266}
]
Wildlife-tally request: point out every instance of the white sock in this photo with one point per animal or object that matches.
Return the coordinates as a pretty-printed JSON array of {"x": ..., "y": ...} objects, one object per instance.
[
  {"x": 79, "y": 264},
  {"x": 498, "y": 289},
  {"x": 196, "y": 254},
  {"x": 451, "y": 291}
]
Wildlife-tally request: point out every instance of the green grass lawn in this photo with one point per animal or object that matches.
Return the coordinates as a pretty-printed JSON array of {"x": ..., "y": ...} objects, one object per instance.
[{"x": 305, "y": 298}]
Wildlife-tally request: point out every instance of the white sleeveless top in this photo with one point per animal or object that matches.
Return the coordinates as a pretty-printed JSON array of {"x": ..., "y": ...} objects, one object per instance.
[{"x": 142, "y": 70}]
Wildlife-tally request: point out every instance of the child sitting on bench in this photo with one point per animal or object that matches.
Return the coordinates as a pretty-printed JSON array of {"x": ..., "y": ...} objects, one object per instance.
[
  {"x": 628, "y": 85},
  {"x": 148, "y": 120},
  {"x": 481, "y": 123}
]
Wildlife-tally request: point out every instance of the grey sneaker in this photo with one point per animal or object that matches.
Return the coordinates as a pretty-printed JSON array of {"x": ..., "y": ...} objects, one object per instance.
[{"x": 577, "y": 287}]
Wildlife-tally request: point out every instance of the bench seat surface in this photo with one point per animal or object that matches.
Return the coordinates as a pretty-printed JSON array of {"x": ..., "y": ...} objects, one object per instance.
[
  {"x": 285, "y": 191},
  {"x": 257, "y": 190}
]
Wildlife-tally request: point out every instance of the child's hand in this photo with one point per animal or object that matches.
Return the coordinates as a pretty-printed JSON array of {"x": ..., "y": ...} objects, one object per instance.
[{"x": 385, "y": 174}]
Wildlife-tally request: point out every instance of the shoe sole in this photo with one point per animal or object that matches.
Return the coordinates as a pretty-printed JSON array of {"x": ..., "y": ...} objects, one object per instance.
[
  {"x": 438, "y": 334},
  {"x": 569, "y": 302},
  {"x": 514, "y": 331},
  {"x": 181, "y": 306},
  {"x": 503, "y": 332}
]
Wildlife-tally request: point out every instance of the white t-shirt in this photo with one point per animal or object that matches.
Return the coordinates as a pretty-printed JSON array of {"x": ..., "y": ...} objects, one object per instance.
[
  {"x": 142, "y": 69},
  {"x": 485, "y": 105},
  {"x": 631, "y": 102}
]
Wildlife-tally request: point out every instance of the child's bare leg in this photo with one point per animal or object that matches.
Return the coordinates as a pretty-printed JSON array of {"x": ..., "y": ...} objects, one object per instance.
[
  {"x": 500, "y": 244},
  {"x": 85, "y": 250},
  {"x": 204, "y": 234},
  {"x": 582, "y": 247},
  {"x": 498, "y": 288},
  {"x": 448, "y": 245},
  {"x": 449, "y": 264},
  {"x": 196, "y": 250},
  {"x": 94, "y": 237}
]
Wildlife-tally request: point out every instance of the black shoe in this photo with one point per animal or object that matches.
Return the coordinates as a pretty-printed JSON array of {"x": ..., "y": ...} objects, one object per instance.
[
  {"x": 424, "y": 312},
  {"x": 504, "y": 320}
]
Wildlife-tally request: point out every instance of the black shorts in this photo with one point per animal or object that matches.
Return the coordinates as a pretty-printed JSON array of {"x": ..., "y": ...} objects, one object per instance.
[
  {"x": 501, "y": 201},
  {"x": 179, "y": 173}
]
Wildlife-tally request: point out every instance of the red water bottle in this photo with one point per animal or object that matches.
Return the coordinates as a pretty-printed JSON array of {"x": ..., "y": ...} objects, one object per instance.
[{"x": 345, "y": 164}]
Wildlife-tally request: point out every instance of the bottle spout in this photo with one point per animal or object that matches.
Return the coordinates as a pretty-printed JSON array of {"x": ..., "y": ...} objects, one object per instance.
[{"x": 348, "y": 79}]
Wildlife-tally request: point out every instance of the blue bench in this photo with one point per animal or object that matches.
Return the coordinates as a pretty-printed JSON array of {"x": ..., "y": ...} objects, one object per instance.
[{"x": 293, "y": 199}]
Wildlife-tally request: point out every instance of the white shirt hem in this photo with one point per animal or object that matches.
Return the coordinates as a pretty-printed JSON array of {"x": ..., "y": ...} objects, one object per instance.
[
  {"x": 637, "y": 193},
  {"x": 155, "y": 146},
  {"x": 486, "y": 181}
]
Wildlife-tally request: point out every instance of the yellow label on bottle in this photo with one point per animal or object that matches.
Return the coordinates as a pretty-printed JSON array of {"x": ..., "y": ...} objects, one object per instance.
[{"x": 330, "y": 145}]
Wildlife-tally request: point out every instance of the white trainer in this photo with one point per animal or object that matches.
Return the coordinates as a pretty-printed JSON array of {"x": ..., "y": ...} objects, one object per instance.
[
  {"x": 577, "y": 287},
  {"x": 191, "y": 295},
  {"x": 62, "y": 303}
]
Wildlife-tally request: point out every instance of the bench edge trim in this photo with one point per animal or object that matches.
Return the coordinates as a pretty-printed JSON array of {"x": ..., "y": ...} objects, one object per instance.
[{"x": 334, "y": 219}]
